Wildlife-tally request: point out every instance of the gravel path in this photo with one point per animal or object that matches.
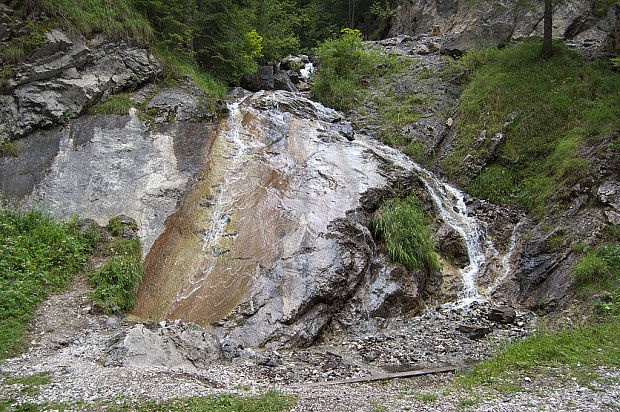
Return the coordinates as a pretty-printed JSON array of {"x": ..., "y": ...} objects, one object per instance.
[{"x": 70, "y": 340}]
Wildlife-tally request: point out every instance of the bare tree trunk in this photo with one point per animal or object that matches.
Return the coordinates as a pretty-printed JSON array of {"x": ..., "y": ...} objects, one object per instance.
[{"x": 547, "y": 49}]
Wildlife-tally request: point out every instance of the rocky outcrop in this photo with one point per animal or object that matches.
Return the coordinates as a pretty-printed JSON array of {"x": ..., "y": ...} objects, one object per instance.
[
  {"x": 271, "y": 243},
  {"x": 66, "y": 75},
  {"x": 463, "y": 25},
  {"x": 268, "y": 78},
  {"x": 185, "y": 347}
]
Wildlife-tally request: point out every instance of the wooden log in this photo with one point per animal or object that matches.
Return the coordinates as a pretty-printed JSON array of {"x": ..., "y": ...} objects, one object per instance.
[{"x": 370, "y": 378}]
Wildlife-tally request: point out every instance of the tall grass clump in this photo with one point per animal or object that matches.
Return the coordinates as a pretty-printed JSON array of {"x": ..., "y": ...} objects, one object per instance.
[
  {"x": 550, "y": 111},
  {"x": 115, "y": 18},
  {"x": 345, "y": 68},
  {"x": 38, "y": 256},
  {"x": 118, "y": 104},
  {"x": 403, "y": 228}
]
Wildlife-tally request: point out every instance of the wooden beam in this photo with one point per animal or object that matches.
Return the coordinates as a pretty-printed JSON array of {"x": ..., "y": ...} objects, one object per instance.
[{"x": 370, "y": 378}]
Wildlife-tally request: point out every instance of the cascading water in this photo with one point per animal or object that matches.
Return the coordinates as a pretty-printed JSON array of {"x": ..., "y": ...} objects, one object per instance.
[
  {"x": 307, "y": 70},
  {"x": 450, "y": 204}
]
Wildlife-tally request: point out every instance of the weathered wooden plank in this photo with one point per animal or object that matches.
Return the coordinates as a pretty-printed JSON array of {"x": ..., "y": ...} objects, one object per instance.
[{"x": 370, "y": 378}]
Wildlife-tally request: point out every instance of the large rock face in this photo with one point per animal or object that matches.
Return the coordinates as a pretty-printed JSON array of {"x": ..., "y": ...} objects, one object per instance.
[
  {"x": 66, "y": 75},
  {"x": 273, "y": 239},
  {"x": 468, "y": 24},
  {"x": 101, "y": 166}
]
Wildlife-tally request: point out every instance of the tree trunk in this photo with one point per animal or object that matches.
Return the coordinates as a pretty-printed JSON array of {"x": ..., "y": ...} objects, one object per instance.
[{"x": 547, "y": 49}]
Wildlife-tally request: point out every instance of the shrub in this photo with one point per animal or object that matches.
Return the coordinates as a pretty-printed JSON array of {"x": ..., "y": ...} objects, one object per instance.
[
  {"x": 344, "y": 69},
  {"x": 403, "y": 227}
]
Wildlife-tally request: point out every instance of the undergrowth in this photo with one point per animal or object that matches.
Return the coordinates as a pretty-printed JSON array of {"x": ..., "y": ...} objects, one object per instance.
[
  {"x": 549, "y": 111},
  {"x": 9, "y": 149},
  {"x": 403, "y": 228},
  {"x": 116, "y": 283},
  {"x": 38, "y": 256},
  {"x": 575, "y": 351},
  {"x": 345, "y": 69},
  {"x": 115, "y": 18}
]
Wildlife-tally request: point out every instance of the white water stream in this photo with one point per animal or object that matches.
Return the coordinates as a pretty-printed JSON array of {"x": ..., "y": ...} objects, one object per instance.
[{"x": 450, "y": 204}]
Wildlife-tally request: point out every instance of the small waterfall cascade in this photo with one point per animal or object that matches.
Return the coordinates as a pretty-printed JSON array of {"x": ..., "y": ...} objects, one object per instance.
[{"x": 450, "y": 204}]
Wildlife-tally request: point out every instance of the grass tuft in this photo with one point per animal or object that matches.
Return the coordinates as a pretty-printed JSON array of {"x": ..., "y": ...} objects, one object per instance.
[
  {"x": 118, "y": 104},
  {"x": 116, "y": 283},
  {"x": 9, "y": 149},
  {"x": 403, "y": 227},
  {"x": 115, "y": 18}
]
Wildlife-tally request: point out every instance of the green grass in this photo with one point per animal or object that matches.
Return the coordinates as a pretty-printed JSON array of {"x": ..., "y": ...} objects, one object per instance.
[
  {"x": 115, "y": 18},
  {"x": 37, "y": 379},
  {"x": 575, "y": 351},
  {"x": 116, "y": 283},
  {"x": 271, "y": 401},
  {"x": 9, "y": 149},
  {"x": 118, "y": 104},
  {"x": 403, "y": 228},
  {"x": 177, "y": 66},
  {"x": 345, "y": 69},
  {"x": 29, "y": 36},
  {"x": 38, "y": 256},
  {"x": 559, "y": 106}
]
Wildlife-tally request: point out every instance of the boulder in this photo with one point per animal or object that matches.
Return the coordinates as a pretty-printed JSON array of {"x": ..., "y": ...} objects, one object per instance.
[
  {"x": 171, "y": 346},
  {"x": 474, "y": 331},
  {"x": 452, "y": 246},
  {"x": 502, "y": 314}
]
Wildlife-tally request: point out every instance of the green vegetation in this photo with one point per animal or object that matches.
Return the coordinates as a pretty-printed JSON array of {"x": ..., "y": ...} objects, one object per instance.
[
  {"x": 117, "y": 282},
  {"x": 37, "y": 379},
  {"x": 29, "y": 36},
  {"x": 345, "y": 70},
  {"x": 573, "y": 351},
  {"x": 117, "y": 19},
  {"x": 549, "y": 110},
  {"x": 37, "y": 257},
  {"x": 576, "y": 351},
  {"x": 9, "y": 149},
  {"x": 268, "y": 402},
  {"x": 118, "y": 104},
  {"x": 403, "y": 228},
  {"x": 598, "y": 275}
]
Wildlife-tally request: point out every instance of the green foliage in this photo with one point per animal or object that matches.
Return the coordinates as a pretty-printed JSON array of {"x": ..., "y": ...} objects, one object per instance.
[
  {"x": 403, "y": 228},
  {"x": 123, "y": 247},
  {"x": 116, "y": 18},
  {"x": 116, "y": 283},
  {"x": 9, "y": 149},
  {"x": 119, "y": 104},
  {"x": 345, "y": 69},
  {"x": 549, "y": 110},
  {"x": 38, "y": 256},
  {"x": 277, "y": 22},
  {"x": 177, "y": 66}
]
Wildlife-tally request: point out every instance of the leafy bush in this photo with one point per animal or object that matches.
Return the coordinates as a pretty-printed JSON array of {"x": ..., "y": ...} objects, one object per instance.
[
  {"x": 38, "y": 256},
  {"x": 403, "y": 227},
  {"x": 344, "y": 70},
  {"x": 549, "y": 110}
]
